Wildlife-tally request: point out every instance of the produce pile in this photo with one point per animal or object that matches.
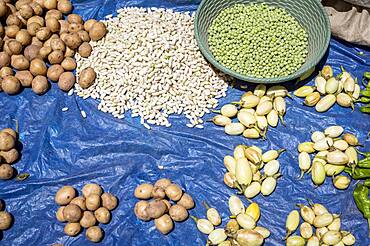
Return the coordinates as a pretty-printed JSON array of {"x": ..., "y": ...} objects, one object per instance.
[
  {"x": 365, "y": 94},
  {"x": 8, "y": 153},
  {"x": 6, "y": 218}
]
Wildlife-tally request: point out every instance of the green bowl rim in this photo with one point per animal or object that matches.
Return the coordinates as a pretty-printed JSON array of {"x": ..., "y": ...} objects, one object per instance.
[{"x": 208, "y": 54}]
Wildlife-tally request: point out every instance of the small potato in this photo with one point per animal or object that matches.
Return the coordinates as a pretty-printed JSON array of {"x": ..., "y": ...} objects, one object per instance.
[
  {"x": 4, "y": 60},
  {"x": 47, "y": 43},
  {"x": 72, "y": 229},
  {"x": 72, "y": 40},
  {"x": 54, "y": 13},
  {"x": 174, "y": 192},
  {"x": 69, "y": 53},
  {"x": 54, "y": 72},
  {"x": 59, "y": 214},
  {"x": 98, "y": 31},
  {"x": 72, "y": 213},
  {"x": 33, "y": 28},
  {"x": 10, "y": 156},
  {"x": 85, "y": 49},
  {"x": 6, "y": 71},
  {"x": 39, "y": 2},
  {"x": 186, "y": 201},
  {"x": 13, "y": 20},
  {"x": 63, "y": 36},
  {"x": 90, "y": 189},
  {"x": 11, "y": 31},
  {"x": 38, "y": 67},
  {"x": 36, "y": 19},
  {"x": 69, "y": 64},
  {"x": 65, "y": 195},
  {"x": 6, "y": 171},
  {"x": 140, "y": 210},
  {"x": 93, "y": 202},
  {"x": 20, "y": 62},
  {"x": 3, "y": 8},
  {"x": 75, "y": 27},
  {"x": 79, "y": 201},
  {"x": 36, "y": 41},
  {"x": 84, "y": 36},
  {"x": 164, "y": 224},
  {"x": 26, "y": 11},
  {"x": 37, "y": 8},
  {"x": 50, "y": 4},
  {"x": 40, "y": 85},
  {"x": 23, "y": 37},
  {"x": 178, "y": 213},
  {"x": 11, "y": 132},
  {"x": 31, "y": 52},
  {"x": 5, "y": 220},
  {"x": 7, "y": 141},
  {"x": 74, "y": 18},
  {"x": 88, "y": 219},
  {"x": 102, "y": 215},
  {"x": 156, "y": 209},
  {"x": 143, "y": 191},
  {"x": 109, "y": 201},
  {"x": 45, "y": 52},
  {"x": 20, "y": 3},
  {"x": 65, "y": 6},
  {"x": 56, "y": 57},
  {"x": 63, "y": 26},
  {"x": 15, "y": 47},
  {"x": 168, "y": 205},
  {"x": 87, "y": 77},
  {"x": 94, "y": 234},
  {"x": 57, "y": 44},
  {"x": 66, "y": 81},
  {"x": 158, "y": 193},
  {"x": 53, "y": 24},
  {"x": 43, "y": 33},
  {"x": 11, "y": 85},
  {"x": 88, "y": 24}
]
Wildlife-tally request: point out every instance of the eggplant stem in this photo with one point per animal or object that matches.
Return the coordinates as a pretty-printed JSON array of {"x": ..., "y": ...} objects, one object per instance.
[
  {"x": 282, "y": 120},
  {"x": 232, "y": 216},
  {"x": 237, "y": 185},
  {"x": 302, "y": 174},
  {"x": 194, "y": 218},
  {"x": 17, "y": 127},
  {"x": 237, "y": 103},
  {"x": 281, "y": 151},
  {"x": 206, "y": 205}
]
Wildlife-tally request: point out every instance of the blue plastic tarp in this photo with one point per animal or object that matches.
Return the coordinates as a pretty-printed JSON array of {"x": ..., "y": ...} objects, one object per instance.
[{"x": 62, "y": 148}]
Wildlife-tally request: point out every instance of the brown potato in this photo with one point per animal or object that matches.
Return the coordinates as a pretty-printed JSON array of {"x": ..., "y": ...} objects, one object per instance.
[
  {"x": 72, "y": 213},
  {"x": 63, "y": 36},
  {"x": 20, "y": 62},
  {"x": 43, "y": 33},
  {"x": 109, "y": 201},
  {"x": 39, "y": 2},
  {"x": 156, "y": 209},
  {"x": 54, "y": 72},
  {"x": 74, "y": 18},
  {"x": 140, "y": 210},
  {"x": 158, "y": 193},
  {"x": 7, "y": 141},
  {"x": 65, "y": 6},
  {"x": 69, "y": 52},
  {"x": 6, "y": 171},
  {"x": 31, "y": 52},
  {"x": 143, "y": 191},
  {"x": 11, "y": 132},
  {"x": 45, "y": 52},
  {"x": 178, "y": 213},
  {"x": 59, "y": 214},
  {"x": 3, "y": 8},
  {"x": 5, "y": 220},
  {"x": 37, "y": 8},
  {"x": 90, "y": 189},
  {"x": 38, "y": 67},
  {"x": 54, "y": 13},
  {"x": 4, "y": 60},
  {"x": 66, "y": 81},
  {"x": 40, "y": 85},
  {"x": 88, "y": 219},
  {"x": 88, "y": 24},
  {"x": 98, "y": 31},
  {"x": 84, "y": 36},
  {"x": 56, "y": 57},
  {"x": 57, "y": 44},
  {"x": 79, "y": 201},
  {"x": 23, "y": 37},
  {"x": 11, "y": 85},
  {"x": 69, "y": 64},
  {"x": 102, "y": 215},
  {"x": 72, "y": 229},
  {"x": 36, "y": 19},
  {"x": 87, "y": 78},
  {"x": 20, "y": 3},
  {"x": 94, "y": 234},
  {"x": 33, "y": 28},
  {"x": 53, "y": 24},
  {"x": 26, "y": 11},
  {"x": 36, "y": 41},
  {"x": 164, "y": 224},
  {"x": 63, "y": 26},
  {"x": 50, "y": 4},
  {"x": 6, "y": 71},
  {"x": 13, "y": 20},
  {"x": 75, "y": 27},
  {"x": 168, "y": 205},
  {"x": 72, "y": 40},
  {"x": 65, "y": 195},
  {"x": 174, "y": 192},
  {"x": 85, "y": 49},
  {"x": 15, "y": 47},
  {"x": 10, "y": 156},
  {"x": 11, "y": 30},
  {"x": 186, "y": 201},
  {"x": 163, "y": 183},
  {"x": 93, "y": 202}
]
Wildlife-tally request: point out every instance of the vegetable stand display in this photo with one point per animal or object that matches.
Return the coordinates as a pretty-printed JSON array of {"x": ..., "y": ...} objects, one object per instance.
[{"x": 61, "y": 146}]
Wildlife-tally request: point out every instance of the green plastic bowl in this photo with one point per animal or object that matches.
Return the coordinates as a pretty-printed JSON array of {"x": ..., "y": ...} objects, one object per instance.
[{"x": 309, "y": 13}]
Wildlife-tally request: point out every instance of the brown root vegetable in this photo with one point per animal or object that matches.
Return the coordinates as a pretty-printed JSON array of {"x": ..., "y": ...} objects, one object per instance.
[
  {"x": 88, "y": 24},
  {"x": 6, "y": 71},
  {"x": 84, "y": 36},
  {"x": 6, "y": 171},
  {"x": 7, "y": 141},
  {"x": 40, "y": 85},
  {"x": 23, "y": 37},
  {"x": 98, "y": 31},
  {"x": 33, "y": 28},
  {"x": 5, "y": 220},
  {"x": 50, "y": 4},
  {"x": 72, "y": 40},
  {"x": 36, "y": 41},
  {"x": 69, "y": 53},
  {"x": 72, "y": 213},
  {"x": 87, "y": 77},
  {"x": 10, "y": 156},
  {"x": 56, "y": 57},
  {"x": 66, "y": 81},
  {"x": 4, "y": 59},
  {"x": 94, "y": 234},
  {"x": 47, "y": 43},
  {"x": 54, "y": 72},
  {"x": 38, "y": 67},
  {"x": 75, "y": 27},
  {"x": 69, "y": 64},
  {"x": 88, "y": 219},
  {"x": 178, "y": 213},
  {"x": 54, "y": 13},
  {"x": 102, "y": 215},
  {"x": 109, "y": 201},
  {"x": 11, "y": 132},
  {"x": 168, "y": 205},
  {"x": 26, "y": 11},
  {"x": 11, "y": 31},
  {"x": 36, "y": 19},
  {"x": 13, "y": 20},
  {"x": 20, "y": 62},
  {"x": 140, "y": 210},
  {"x": 65, "y": 6},
  {"x": 20, "y": 3},
  {"x": 53, "y": 24},
  {"x": 156, "y": 209},
  {"x": 85, "y": 49},
  {"x": 59, "y": 214},
  {"x": 3, "y": 9},
  {"x": 164, "y": 224},
  {"x": 79, "y": 201},
  {"x": 186, "y": 201},
  {"x": 43, "y": 33},
  {"x": 37, "y": 8},
  {"x": 31, "y": 52},
  {"x": 158, "y": 193},
  {"x": 63, "y": 26},
  {"x": 15, "y": 47},
  {"x": 45, "y": 52},
  {"x": 143, "y": 191},
  {"x": 11, "y": 85},
  {"x": 74, "y": 18},
  {"x": 72, "y": 229},
  {"x": 90, "y": 189},
  {"x": 174, "y": 192},
  {"x": 65, "y": 195},
  {"x": 93, "y": 202},
  {"x": 57, "y": 44}
]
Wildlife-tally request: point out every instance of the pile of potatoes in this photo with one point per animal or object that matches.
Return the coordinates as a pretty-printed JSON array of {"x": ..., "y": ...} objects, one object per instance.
[
  {"x": 8, "y": 153},
  {"x": 85, "y": 211},
  {"x": 160, "y": 207},
  {"x": 38, "y": 40},
  {"x": 6, "y": 219}
]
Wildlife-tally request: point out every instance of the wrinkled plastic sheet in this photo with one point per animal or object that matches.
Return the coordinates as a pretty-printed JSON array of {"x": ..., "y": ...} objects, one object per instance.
[{"x": 62, "y": 148}]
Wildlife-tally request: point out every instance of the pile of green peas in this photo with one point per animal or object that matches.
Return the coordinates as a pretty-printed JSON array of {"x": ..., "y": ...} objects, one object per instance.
[{"x": 258, "y": 40}]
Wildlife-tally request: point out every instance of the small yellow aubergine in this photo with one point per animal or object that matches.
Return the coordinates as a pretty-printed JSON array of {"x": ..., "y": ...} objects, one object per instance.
[
  {"x": 356, "y": 92},
  {"x": 345, "y": 100},
  {"x": 349, "y": 85},
  {"x": 250, "y": 101},
  {"x": 203, "y": 225},
  {"x": 351, "y": 152},
  {"x": 236, "y": 206},
  {"x": 263, "y": 231},
  {"x": 254, "y": 211},
  {"x": 331, "y": 86},
  {"x": 243, "y": 171},
  {"x": 306, "y": 147},
  {"x": 319, "y": 209},
  {"x": 341, "y": 183},
  {"x": 262, "y": 122},
  {"x": 323, "y": 220},
  {"x": 331, "y": 237},
  {"x": 327, "y": 72},
  {"x": 307, "y": 214},
  {"x": 212, "y": 215},
  {"x": 253, "y": 156},
  {"x": 273, "y": 118},
  {"x": 252, "y": 190},
  {"x": 320, "y": 232},
  {"x": 217, "y": 236},
  {"x": 350, "y": 139},
  {"x": 313, "y": 241},
  {"x": 292, "y": 222},
  {"x": 234, "y": 129},
  {"x": 312, "y": 99},
  {"x": 247, "y": 119},
  {"x": 229, "y": 110},
  {"x": 249, "y": 237},
  {"x": 333, "y": 131},
  {"x": 331, "y": 170},
  {"x": 246, "y": 221},
  {"x": 306, "y": 230},
  {"x": 337, "y": 157},
  {"x": 271, "y": 155},
  {"x": 264, "y": 108},
  {"x": 304, "y": 91},
  {"x": 277, "y": 91},
  {"x": 340, "y": 145},
  {"x": 320, "y": 84},
  {"x": 318, "y": 173},
  {"x": 220, "y": 120},
  {"x": 251, "y": 133},
  {"x": 260, "y": 90},
  {"x": 325, "y": 103},
  {"x": 295, "y": 241},
  {"x": 335, "y": 225},
  {"x": 348, "y": 238},
  {"x": 230, "y": 164},
  {"x": 239, "y": 152},
  {"x": 317, "y": 136}
]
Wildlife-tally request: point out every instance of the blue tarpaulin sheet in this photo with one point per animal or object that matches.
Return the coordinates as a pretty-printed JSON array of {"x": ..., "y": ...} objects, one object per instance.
[{"x": 62, "y": 148}]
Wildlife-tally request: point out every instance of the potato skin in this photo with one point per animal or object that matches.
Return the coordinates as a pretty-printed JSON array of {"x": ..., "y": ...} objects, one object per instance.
[
  {"x": 4, "y": 59},
  {"x": 156, "y": 209},
  {"x": 174, "y": 192},
  {"x": 65, "y": 195},
  {"x": 140, "y": 210},
  {"x": 20, "y": 62},
  {"x": 53, "y": 24},
  {"x": 72, "y": 213},
  {"x": 65, "y": 6},
  {"x": 102, "y": 215},
  {"x": 54, "y": 72},
  {"x": 7, "y": 141},
  {"x": 97, "y": 31},
  {"x": 69, "y": 64},
  {"x": 11, "y": 85},
  {"x": 59, "y": 214},
  {"x": 93, "y": 202},
  {"x": 94, "y": 234},
  {"x": 72, "y": 229},
  {"x": 6, "y": 71},
  {"x": 11, "y": 132},
  {"x": 40, "y": 85},
  {"x": 143, "y": 191},
  {"x": 56, "y": 57},
  {"x": 38, "y": 67},
  {"x": 10, "y": 156},
  {"x": 87, "y": 77},
  {"x": 74, "y": 18},
  {"x": 79, "y": 201},
  {"x": 109, "y": 201},
  {"x": 90, "y": 189},
  {"x": 85, "y": 49},
  {"x": 6, "y": 171},
  {"x": 32, "y": 51},
  {"x": 43, "y": 33},
  {"x": 88, "y": 219},
  {"x": 164, "y": 224},
  {"x": 178, "y": 213},
  {"x": 88, "y": 24},
  {"x": 186, "y": 201},
  {"x": 5, "y": 220},
  {"x": 72, "y": 40}
]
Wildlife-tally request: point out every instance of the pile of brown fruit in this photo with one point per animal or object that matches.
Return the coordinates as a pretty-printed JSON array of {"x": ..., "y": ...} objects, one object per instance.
[
  {"x": 85, "y": 211},
  {"x": 160, "y": 208},
  {"x": 39, "y": 44},
  {"x": 6, "y": 219},
  {"x": 8, "y": 153}
]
